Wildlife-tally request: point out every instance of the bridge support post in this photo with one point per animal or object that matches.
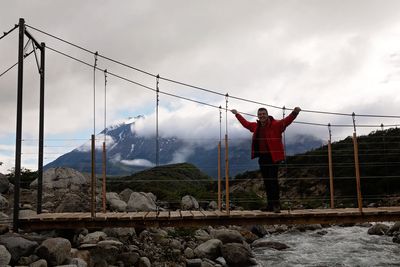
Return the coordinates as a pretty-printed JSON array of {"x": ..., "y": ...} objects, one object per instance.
[
  {"x": 226, "y": 174},
  {"x": 331, "y": 174},
  {"x": 330, "y": 167},
  {"x": 104, "y": 178},
  {"x": 357, "y": 169},
  {"x": 219, "y": 177},
  {"x": 93, "y": 180},
  {"x": 18, "y": 141},
  {"x": 41, "y": 129}
]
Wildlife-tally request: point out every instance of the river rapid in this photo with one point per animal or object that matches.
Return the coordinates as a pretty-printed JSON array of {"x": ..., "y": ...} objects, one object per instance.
[{"x": 331, "y": 247}]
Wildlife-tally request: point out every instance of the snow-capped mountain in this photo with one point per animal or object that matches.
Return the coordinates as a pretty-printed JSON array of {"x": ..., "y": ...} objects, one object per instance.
[{"x": 128, "y": 152}]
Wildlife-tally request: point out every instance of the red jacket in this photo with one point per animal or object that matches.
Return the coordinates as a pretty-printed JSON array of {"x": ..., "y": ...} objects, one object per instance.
[{"x": 274, "y": 130}]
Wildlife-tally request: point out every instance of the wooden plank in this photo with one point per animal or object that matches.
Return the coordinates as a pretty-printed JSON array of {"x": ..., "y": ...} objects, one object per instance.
[
  {"x": 163, "y": 215},
  {"x": 186, "y": 214},
  {"x": 175, "y": 215},
  {"x": 197, "y": 214},
  {"x": 151, "y": 215},
  {"x": 210, "y": 214},
  {"x": 193, "y": 218}
]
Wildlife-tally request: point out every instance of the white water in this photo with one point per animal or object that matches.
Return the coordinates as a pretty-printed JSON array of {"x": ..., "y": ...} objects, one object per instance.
[{"x": 340, "y": 247}]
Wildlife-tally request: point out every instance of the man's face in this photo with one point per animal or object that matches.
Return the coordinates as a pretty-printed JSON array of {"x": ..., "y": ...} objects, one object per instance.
[{"x": 262, "y": 116}]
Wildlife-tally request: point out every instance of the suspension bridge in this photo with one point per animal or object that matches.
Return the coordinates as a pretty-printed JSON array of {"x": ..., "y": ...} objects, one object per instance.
[{"x": 95, "y": 219}]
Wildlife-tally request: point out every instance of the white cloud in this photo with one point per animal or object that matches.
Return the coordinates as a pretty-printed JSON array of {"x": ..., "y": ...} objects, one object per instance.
[
  {"x": 319, "y": 55},
  {"x": 138, "y": 162}
]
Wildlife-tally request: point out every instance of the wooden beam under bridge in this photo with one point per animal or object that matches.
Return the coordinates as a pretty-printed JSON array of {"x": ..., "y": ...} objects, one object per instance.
[{"x": 46, "y": 221}]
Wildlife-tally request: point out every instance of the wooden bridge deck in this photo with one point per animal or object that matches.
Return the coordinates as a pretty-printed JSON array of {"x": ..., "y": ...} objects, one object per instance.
[{"x": 46, "y": 221}]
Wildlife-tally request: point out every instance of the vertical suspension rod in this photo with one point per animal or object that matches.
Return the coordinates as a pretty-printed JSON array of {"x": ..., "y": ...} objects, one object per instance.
[
  {"x": 104, "y": 144},
  {"x": 157, "y": 138},
  {"x": 226, "y": 156},
  {"x": 330, "y": 167},
  {"x": 94, "y": 92}
]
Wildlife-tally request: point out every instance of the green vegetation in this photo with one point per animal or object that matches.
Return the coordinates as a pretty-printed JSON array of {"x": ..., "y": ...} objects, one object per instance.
[
  {"x": 26, "y": 178},
  {"x": 169, "y": 183},
  {"x": 379, "y": 158}
]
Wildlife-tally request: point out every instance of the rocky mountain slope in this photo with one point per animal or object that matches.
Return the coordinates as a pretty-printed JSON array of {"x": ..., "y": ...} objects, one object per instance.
[{"x": 127, "y": 152}]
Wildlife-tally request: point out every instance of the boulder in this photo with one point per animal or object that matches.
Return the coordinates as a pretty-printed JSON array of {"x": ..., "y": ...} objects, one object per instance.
[
  {"x": 115, "y": 202},
  {"x": 83, "y": 255},
  {"x": 269, "y": 244},
  {"x": 4, "y": 228},
  {"x": 189, "y": 253},
  {"x": 140, "y": 201},
  {"x": 129, "y": 258},
  {"x": 55, "y": 251},
  {"x": 227, "y": 236},
  {"x": 258, "y": 230},
  {"x": 125, "y": 194},
  {"x": 202, "y": 235},
  {"x": 123, "y": 234},
  {"x": 39, "y": 263},
  {"x": 189, "y": 203},
  {"x": 78, "y": 262},
  {"x": 394, "y": 229},
  {"x": 93, "y": 238},
  {"x": 210, "y": 249},
  {"x": 193, "y": 262},
  {"x": 62, "y": 178},
  {"x": 5, "y": 256},
  {"x": 4, "y": 184},
  {"x": 213, "y": 205},
  {"x": 378, "y": 229},
  {"x": 237, "y": 255},
  {"x": 73, "y": 202},
  {"x": 3, "y": 203},
  {"x": 17, "y": 246},
  {"x": 144, "y": 262}
]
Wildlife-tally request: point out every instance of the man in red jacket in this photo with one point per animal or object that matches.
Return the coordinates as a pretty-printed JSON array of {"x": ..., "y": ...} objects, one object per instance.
[{"x": 267, "y": 146}]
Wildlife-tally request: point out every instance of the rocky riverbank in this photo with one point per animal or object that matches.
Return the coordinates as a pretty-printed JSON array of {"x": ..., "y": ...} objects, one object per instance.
[{"x": 66, "y": 190}]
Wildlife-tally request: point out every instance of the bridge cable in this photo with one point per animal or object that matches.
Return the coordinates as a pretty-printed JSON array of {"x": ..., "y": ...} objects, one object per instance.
[
  {"x": 10, "y": 31},
  {"x": 208, "y": 90},
  {"x": 200, "y": 102},
  {"x": 10, "y": 68}
]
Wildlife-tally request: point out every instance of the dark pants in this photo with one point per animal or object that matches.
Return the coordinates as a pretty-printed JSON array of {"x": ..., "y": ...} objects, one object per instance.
[{"x": 269, "y": 172}]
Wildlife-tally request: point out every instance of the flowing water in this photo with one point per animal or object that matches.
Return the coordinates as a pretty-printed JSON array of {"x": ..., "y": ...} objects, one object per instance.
[{"x": 339, "y": 247}]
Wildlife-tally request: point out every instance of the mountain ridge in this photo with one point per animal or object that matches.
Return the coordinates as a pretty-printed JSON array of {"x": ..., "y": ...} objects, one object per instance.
[{"x": 127, "y": 152}]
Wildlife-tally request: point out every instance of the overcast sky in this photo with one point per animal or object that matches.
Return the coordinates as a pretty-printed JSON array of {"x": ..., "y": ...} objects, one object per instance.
[{"x": 338, "y": 56}]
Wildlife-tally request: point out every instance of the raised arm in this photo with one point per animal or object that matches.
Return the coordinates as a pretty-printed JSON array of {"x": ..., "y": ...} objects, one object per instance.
[
  {"x": 251, "y": 126},
  {"x": 290, "y": 118}
]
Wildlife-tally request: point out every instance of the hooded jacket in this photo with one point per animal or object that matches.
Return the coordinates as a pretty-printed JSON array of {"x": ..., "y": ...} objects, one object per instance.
[{"x": 273, "y": 133}]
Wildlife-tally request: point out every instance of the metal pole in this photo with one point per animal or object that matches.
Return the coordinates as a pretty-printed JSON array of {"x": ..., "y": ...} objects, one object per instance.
[
  {"x": 227, "y": 174},
  {"x": 219, "y": 160},
  {"x": 18, "y": 141},
  {"x": 41, "y": 128},
  {"x": 104, "y": 143},
  {"x": 93, "y": 180},
  {"x": 226, "y": 156},
  {"x": 219, "y": 176},
  {"x": 357, "y": 165},
  {"x": 330, "y": 167},
  {"x": 104, "y": 178}
]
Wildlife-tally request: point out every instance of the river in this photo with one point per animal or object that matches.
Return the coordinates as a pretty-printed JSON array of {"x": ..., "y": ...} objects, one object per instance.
[{"x": 338, "y": 247}]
